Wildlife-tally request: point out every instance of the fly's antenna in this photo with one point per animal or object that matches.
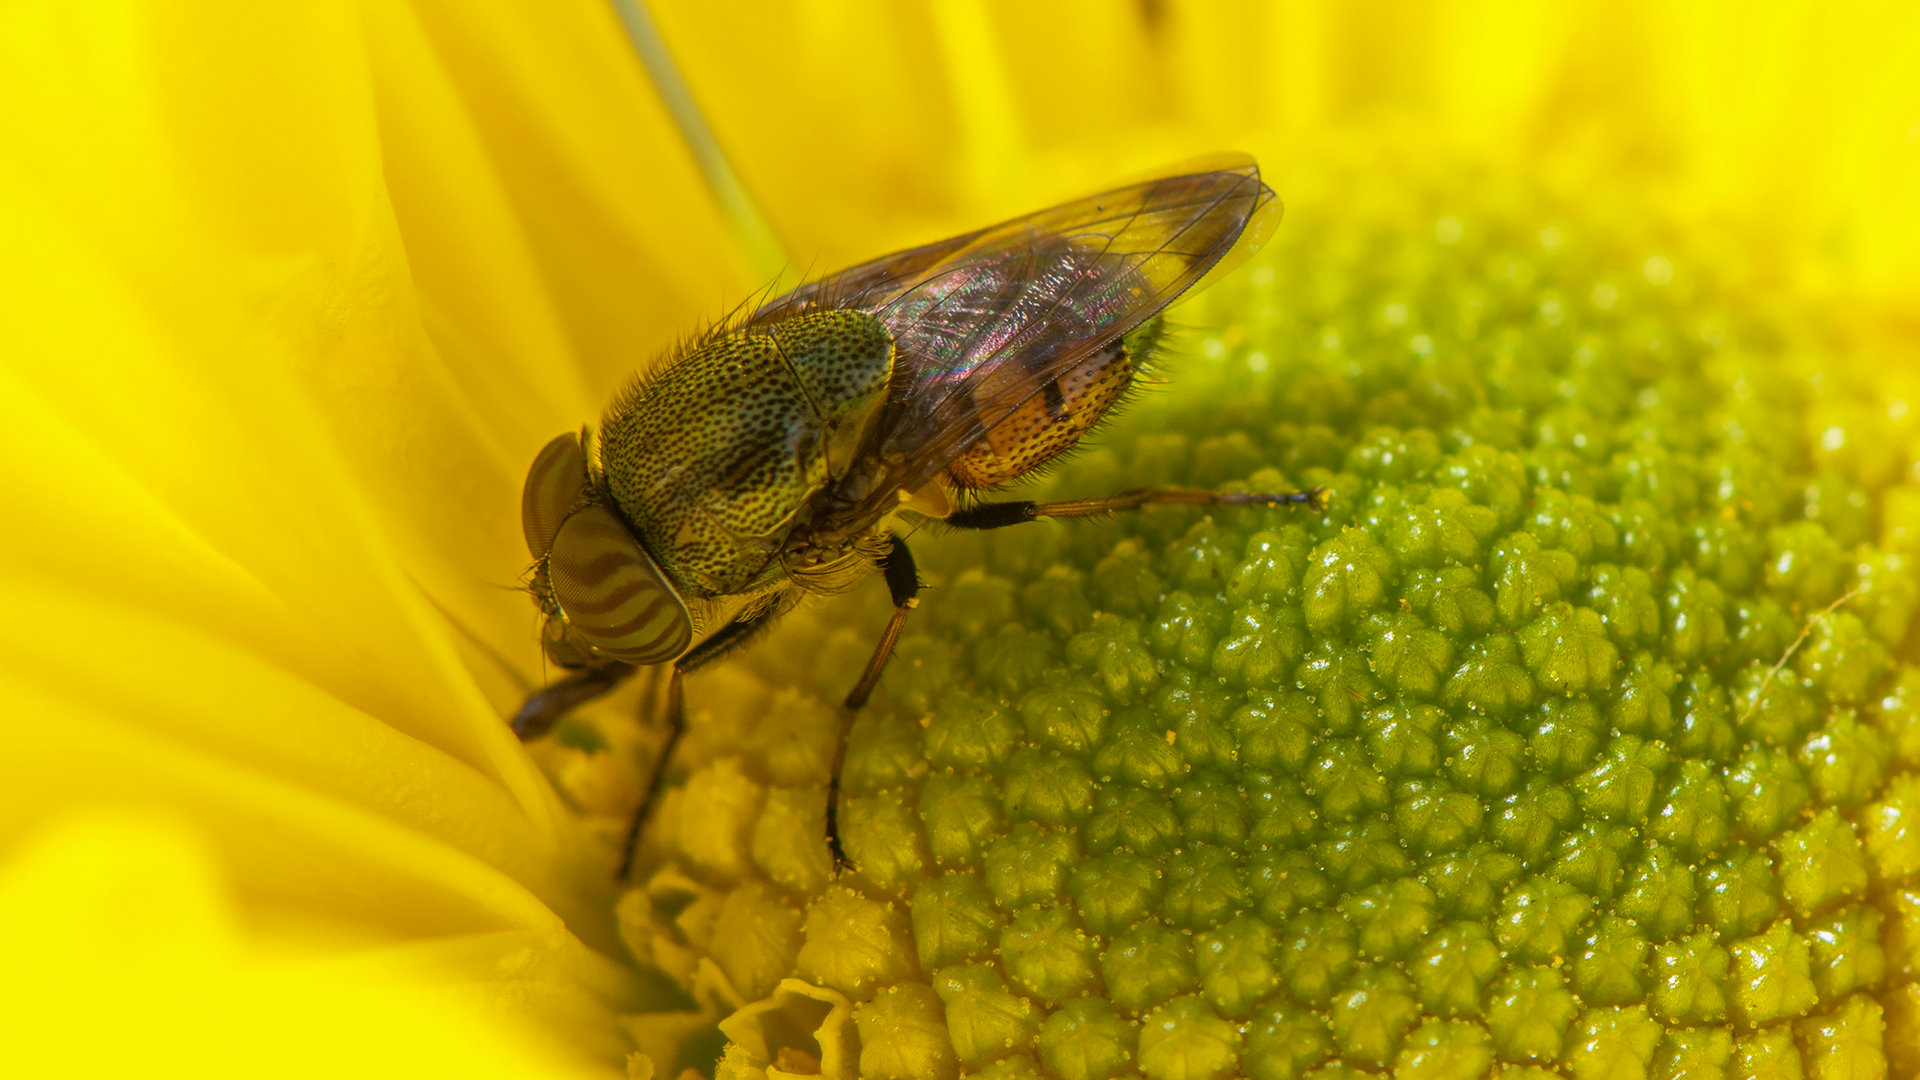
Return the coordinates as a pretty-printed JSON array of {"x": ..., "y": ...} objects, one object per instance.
[{"x": 479, "y": 644}]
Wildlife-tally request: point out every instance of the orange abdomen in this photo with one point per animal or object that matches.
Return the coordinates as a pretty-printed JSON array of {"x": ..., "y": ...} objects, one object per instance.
[{"x": 1052, "y": 416}]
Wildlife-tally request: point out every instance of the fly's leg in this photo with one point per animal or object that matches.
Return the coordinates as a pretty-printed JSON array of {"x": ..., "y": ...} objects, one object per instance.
[
  {"x": 999, "y": 515},
  {"x": 544, "y": 708},
  {"x": 725, "y": 640},
  {"x": 903, "y": 581}
]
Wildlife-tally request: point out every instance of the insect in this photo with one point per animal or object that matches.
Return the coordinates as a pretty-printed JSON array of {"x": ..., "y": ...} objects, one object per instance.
[{"x": 783, "y": 453}]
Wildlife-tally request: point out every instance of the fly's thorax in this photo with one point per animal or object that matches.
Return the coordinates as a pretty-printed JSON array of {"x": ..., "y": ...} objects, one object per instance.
[
  {"x": 820, "y": 564},
  {"x": 716, "y": 456}
]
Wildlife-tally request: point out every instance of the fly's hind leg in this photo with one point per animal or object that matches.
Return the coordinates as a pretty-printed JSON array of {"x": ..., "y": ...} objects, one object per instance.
[
  {"x": 999, "y": 515},
  {"x": 903, "y": 581}
]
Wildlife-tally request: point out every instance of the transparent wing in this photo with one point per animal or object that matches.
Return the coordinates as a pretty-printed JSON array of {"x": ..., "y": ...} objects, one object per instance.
[{"x": 985, "y": 321}]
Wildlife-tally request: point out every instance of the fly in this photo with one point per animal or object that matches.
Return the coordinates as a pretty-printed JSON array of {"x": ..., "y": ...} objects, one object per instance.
[{"x": 782, "y": 454}]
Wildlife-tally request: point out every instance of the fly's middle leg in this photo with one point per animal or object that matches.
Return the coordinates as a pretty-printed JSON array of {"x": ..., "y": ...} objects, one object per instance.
[{"x": 903, "y": 581}]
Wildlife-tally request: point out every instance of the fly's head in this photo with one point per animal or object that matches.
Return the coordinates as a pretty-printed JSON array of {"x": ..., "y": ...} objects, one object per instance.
[{"x": 604, "y": 597}]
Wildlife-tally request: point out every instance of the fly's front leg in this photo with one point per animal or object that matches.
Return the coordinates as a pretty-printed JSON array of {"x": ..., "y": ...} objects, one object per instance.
[
  {"x": 544, "y": 708},
  {"x": 999, "y": 515},
  {"x": 903, "y": 581},
  {"x": 725, "y": 640}
]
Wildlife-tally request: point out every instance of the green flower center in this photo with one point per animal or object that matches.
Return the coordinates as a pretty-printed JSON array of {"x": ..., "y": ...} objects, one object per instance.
[{"x": 1578, "y": 733}]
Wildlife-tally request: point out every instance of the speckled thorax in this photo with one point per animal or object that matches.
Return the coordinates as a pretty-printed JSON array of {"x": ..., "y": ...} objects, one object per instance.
[{"x": 715, "y": 459}]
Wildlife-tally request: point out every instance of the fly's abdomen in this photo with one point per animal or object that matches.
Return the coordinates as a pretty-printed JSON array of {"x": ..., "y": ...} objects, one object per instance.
[{"x": 1053, "y": 414}]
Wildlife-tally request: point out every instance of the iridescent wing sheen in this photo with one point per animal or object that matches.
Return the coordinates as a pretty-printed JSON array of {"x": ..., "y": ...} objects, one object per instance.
[{"x": 985, "y": 321}]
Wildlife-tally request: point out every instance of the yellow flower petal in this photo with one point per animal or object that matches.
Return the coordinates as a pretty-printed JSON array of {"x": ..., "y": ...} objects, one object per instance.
[
  {"x": 125, "y": 955},
  {"x": 282, "y": 327},
  {"x": 294, "y": 292},
  {"x": 1795, "y": 119}
]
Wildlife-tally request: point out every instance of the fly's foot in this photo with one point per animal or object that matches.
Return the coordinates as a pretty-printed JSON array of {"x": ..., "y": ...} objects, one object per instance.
[
  {"x": 1314, "y": 499},
  {"x": 835, "y": 852}
]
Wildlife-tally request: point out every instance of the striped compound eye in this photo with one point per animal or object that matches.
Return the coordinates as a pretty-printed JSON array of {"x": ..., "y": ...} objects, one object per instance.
[
  {"x": 610, "y": 591},
  {"x": 556, "y": 483},
  {"x": 612, "y": 594}
]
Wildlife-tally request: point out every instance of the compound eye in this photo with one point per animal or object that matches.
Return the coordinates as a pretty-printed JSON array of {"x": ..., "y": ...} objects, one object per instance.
[
  {"x": 554, "y": 484},
  {"x": 612, "y": 592}
]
